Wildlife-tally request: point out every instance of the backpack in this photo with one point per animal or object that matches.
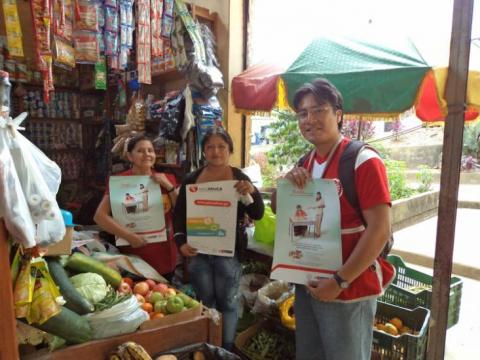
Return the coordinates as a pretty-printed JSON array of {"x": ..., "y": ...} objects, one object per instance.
[{"x": 346, "y": 175}]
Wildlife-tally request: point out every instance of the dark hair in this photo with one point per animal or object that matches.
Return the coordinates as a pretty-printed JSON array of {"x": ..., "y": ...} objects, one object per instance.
[
  {"x": 323, "y": 91},
  {"x": 220, "y": 132},
  {"x": 135, "y": 140}
]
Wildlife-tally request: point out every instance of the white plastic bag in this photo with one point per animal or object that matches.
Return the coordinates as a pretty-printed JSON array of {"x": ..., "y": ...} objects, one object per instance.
[
  {"x": 120, "y": 319},
  {"x": 30, "y": 182},
  {"x": 40, "y": 197},
  {"x": 271, "y": 296},
  {"x": 13, "y": 205},
  {"x": 249, "y": 285}
]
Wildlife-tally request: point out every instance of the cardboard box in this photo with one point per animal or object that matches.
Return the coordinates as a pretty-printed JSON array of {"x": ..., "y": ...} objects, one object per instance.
[
  {"x": 63, "y": 247},
  {"x": 172, "y": 318}
]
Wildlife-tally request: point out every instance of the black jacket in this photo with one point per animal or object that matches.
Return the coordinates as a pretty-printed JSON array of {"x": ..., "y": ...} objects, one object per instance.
[{"x": 254, "y": 211}]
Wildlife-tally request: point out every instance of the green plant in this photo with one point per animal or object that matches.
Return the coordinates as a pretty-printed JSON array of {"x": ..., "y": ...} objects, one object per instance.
[
  {"x": 424, "y": 178},
  {"x": 269, "y": 175},
  {"x": 471, "y": 140},
  {"x": 289, "y": 145},
  {"x": 397, "y": 179}
]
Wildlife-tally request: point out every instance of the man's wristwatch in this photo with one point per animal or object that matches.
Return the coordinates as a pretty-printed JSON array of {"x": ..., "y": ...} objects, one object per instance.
[{"x": 340, "y": 281}]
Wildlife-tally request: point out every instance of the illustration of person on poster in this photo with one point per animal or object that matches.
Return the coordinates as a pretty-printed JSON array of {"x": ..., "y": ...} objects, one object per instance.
[
  {"x": 144, "y": 195},
  {"x": 319, "y": 206}
]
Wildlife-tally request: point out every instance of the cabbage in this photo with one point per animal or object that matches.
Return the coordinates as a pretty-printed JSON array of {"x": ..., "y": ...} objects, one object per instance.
[{"x": 91, "y": 286}]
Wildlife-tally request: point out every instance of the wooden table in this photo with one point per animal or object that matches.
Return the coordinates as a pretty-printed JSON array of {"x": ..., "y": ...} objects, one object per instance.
[{"x": 197, "y": 330}]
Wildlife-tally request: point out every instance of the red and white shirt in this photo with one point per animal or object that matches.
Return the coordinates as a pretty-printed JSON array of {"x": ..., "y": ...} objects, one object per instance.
[{"x": 372, "y": 189}]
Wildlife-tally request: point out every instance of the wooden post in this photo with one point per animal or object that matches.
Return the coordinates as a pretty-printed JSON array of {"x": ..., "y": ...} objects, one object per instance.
[
  {"x": 451, "y": 161},
  {"x": 8, "y": 338}
]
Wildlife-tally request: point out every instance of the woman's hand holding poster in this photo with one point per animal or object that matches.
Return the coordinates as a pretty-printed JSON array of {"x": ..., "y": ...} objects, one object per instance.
[
  {"x": 212, "y": 217},
  {"x": 307, "y": 237},
  {"x": 137, "y": 204}
]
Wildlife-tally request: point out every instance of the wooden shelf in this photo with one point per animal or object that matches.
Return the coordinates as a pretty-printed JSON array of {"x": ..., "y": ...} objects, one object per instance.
[
  {"x": 79, "y": 121},
  {"x": 65, "y": 150},
  {"x": 167, "y": 75},
  {"x": 40, "y": 86}
]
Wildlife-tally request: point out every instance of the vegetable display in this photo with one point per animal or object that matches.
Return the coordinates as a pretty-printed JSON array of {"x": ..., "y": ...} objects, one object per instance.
[
  {"x": 83, "y": 263},
  {"x": 91, "y": 286},
  {"x": 270, "y": 345},
  {"x": 68, "y": 325},
  {"x": 112, "y": 298},
  {"x": 74, "y": 301}
]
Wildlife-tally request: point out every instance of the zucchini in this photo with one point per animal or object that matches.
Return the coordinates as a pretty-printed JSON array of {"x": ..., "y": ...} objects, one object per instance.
[
  {"x": 75, "y": 301},
  {"x": 84, "y": 263},
  {"x": 72, "y": 327}
]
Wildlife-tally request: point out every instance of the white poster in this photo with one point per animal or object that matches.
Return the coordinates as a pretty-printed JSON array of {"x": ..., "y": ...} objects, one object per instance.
[
  {"x": 212, "y": 217},
  {"x": 137, "y": 204},
  {"x": 307, "y": 235}
]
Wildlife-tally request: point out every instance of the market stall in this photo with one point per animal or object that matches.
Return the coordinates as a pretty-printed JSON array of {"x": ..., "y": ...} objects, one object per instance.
[{"x": 85, "y": 78}]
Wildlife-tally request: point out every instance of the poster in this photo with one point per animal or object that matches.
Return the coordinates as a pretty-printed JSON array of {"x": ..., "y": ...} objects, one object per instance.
[
  {"x": 212, "y": 217},
  {"x": 307, "y": 235},
  {"x": 137, "y": 204}
]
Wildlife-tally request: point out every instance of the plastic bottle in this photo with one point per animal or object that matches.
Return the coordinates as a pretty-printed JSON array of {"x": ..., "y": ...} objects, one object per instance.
[{"x": 5, "y": 88}]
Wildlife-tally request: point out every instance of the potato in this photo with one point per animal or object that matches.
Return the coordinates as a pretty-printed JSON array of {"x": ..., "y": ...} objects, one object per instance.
[
  {"x": 198, "y": 355},
  {"x": 166, "y": 357}
]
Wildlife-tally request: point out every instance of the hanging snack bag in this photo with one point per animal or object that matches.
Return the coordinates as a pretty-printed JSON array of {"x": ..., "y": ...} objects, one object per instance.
[
  {"x": 43, "y": 305},
  {"x": 111, "y": 43},
  {"x": 87, "y": 16},
  {"x": 64, "y": 54},
  {"x": 111, "y": 19},
  {"x": 23, "y": 291},
  {"x": 86, "y": 47}
]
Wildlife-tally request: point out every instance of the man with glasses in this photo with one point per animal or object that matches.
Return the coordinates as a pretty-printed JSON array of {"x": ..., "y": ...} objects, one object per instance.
[{"x": 334, "y": 316}]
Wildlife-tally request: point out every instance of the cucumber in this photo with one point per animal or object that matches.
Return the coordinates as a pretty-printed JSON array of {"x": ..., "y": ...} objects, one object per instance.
[
  {"x": 68, "y": 325},
  {"x": 84, "y": 263},
  {"x": 75, "y": 301}
]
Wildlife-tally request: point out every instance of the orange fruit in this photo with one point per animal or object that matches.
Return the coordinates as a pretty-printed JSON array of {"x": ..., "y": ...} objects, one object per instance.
[
  {"x": 405, "y": 330},
  {"x": 390, "y": 329},
  {"x": 157, "y": 315},
  {"x": 147, "y": 307},
  {"x": 396, "y": 322}
]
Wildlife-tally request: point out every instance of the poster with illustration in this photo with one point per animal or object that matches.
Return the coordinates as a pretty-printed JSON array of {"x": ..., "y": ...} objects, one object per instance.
[
  {"x": 212, "y": 217},
  {"x": 137, "y": 204},
  {"x": 307, "y": 235}
]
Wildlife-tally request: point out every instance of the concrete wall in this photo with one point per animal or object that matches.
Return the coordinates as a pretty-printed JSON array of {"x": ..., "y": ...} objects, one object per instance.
[
  {"x": 415, "y": 156},
  {"x": 406, "y": 212}
]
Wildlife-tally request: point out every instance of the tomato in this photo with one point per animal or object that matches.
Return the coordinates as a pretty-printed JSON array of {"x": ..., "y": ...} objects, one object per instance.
[{"x": 128, "y": 281}]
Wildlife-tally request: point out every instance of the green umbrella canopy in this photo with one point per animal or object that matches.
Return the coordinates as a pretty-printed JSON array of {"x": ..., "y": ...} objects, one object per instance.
[{"x": 380, "y": 77}]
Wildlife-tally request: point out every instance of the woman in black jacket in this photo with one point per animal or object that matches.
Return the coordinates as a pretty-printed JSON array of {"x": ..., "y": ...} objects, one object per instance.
[{"x": 215, "y": 279}]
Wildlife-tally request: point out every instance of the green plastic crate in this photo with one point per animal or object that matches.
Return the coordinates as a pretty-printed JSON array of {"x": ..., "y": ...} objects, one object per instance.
[
  {"x": 402, "y": 291},
  {"x": 402, "y": 347}
]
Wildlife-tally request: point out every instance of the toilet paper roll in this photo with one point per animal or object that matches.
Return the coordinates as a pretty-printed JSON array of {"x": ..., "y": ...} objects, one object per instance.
[
  {"x": 46, "y": 205},
  {"x": 34, "y": 200}
]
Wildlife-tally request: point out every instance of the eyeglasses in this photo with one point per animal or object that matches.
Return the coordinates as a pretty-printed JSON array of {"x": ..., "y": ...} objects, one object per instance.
[{"x": 315, "y": 112}]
